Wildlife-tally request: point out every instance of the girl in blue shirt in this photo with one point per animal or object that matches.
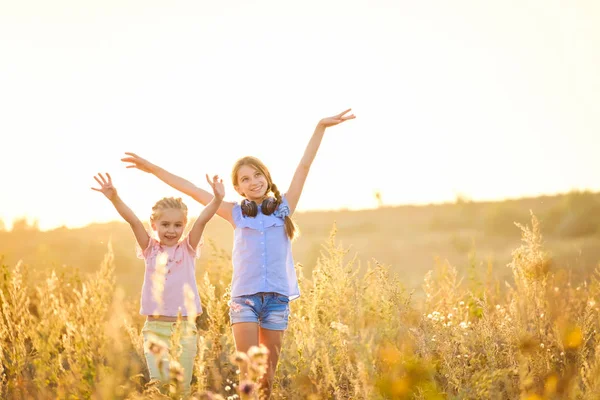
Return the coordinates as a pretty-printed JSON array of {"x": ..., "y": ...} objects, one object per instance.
[{"x": 264, "y": 279}]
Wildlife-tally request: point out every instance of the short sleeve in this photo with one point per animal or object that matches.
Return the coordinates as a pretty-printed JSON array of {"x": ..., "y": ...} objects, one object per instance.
[
  {"x": 194, "y": 251},
  {"x": 236, "y": 213},
  {"x": 143, "y": 254},
  {"x": 283, "y": 210}
]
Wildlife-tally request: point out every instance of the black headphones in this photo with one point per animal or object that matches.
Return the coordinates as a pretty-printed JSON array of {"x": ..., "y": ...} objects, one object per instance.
[{"x": 250, "y": 208}]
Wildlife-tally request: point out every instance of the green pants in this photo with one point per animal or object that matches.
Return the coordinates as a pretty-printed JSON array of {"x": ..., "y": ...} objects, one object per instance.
[{"x": 157, "y": 356}]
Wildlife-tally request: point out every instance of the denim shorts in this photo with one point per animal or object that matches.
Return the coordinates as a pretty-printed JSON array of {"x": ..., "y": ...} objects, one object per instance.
[{"x": 268, "y": 310}]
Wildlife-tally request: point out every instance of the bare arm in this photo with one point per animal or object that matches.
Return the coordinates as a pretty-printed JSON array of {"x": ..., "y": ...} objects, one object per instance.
[
  {"x": 209, "y": 211},
  {"x": 183, "y": 185},
  {"x": 108, "y": 190},
  {"x": 295, "y": 190}
]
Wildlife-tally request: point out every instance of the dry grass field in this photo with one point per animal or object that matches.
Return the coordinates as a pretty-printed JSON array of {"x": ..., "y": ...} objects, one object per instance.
[{"x": 434, "y": 302}]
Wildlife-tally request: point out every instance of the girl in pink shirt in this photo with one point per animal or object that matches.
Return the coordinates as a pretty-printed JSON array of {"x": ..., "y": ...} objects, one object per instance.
[{"x": 169, "y": 280}]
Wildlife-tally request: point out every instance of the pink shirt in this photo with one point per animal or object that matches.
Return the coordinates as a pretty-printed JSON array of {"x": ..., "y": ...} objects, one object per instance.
[{"x": 179, "y": 270}]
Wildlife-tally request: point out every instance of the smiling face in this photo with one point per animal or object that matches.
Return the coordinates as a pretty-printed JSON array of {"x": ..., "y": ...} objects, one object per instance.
[
  {"x": 252, "y": 184},
  {"x": 169, "y": 226},
  {"x": 251, "y": 179}
]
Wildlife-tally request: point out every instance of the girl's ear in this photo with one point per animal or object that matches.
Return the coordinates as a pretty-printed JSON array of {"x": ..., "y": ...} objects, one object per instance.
[{"x": 153, "y": 226}]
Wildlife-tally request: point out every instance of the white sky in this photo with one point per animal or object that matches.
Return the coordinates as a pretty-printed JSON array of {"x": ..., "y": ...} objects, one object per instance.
[{"x": 490, "y": 99}]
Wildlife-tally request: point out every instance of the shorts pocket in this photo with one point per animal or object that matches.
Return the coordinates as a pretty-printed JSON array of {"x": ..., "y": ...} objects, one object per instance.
[{"x": 281, "y": 299}]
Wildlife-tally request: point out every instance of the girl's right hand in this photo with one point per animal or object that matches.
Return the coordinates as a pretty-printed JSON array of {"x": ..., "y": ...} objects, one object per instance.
[
  {"x": 106, "y": 186},
  {"x": 336, "y": 119},
  {"x": 138, "y": 162}
]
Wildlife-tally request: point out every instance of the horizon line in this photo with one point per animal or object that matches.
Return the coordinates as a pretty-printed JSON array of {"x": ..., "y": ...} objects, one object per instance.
[{"x": 459, "y": 198}]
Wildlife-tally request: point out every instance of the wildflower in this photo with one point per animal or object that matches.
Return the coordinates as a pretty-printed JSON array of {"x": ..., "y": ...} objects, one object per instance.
[
  {"x": 175, "y": 371},
  {"x": 462, "y": 303},
  {"x": 249, "y": 302},
  {"x": 247, "y": 387},
  {"x": 239, "y": 358},
  {"x": 258, "y": 352},
  {"x": 591, "y": 303},
  {"x": 463, "y": 325},
  {"x": 573, "y": 338},
  {"x": 156, "y": 346}
]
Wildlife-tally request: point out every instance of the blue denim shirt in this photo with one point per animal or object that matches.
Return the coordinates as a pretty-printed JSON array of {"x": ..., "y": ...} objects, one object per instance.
[{"x": 262, "y": 254}]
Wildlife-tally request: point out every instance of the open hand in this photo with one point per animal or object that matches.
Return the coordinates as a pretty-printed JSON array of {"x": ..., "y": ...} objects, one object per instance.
[
  {"x": 137, "y": 162},
  {"x": 336, "y": 119},
  {"x": 106, "y": 186},
  {"x": 217, "y": 186}
]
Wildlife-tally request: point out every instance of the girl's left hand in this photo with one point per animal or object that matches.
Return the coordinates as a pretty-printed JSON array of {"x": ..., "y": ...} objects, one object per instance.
[
  {"x": 336, "y": 119},
  {"x": 217, "y": 186}
]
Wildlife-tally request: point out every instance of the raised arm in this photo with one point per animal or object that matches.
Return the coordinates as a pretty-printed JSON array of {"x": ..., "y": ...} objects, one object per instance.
[
  {"x": 108, "y": 190},
  {"x": 219, "y": 192},
  {"x": 295, "y": 190},
  {"x": 200, "y": 195}
]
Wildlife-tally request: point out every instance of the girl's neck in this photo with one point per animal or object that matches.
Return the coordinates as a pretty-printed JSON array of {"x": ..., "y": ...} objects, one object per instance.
[{"x": 259, "y": 201}]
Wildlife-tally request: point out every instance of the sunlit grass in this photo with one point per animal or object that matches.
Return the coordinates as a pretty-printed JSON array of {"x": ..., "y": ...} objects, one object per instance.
[{"x": 354, "y": 334}]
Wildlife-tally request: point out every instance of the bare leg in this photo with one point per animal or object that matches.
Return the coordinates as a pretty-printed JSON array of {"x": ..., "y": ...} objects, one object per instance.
[
  {"x": 245, "y": 335},
  {"x": 272, "y": 340}
]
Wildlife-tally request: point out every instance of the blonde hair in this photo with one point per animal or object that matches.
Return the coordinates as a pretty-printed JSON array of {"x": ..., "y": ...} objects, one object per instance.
[
  {"x": 291, "y": 229},
  {"x": 167, "y": 203}
]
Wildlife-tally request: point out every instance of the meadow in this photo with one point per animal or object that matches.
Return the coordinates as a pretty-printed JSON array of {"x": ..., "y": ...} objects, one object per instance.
[{"x": 451, "y": 301}]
